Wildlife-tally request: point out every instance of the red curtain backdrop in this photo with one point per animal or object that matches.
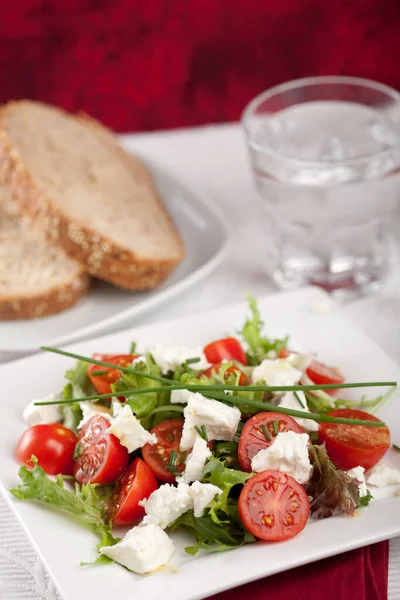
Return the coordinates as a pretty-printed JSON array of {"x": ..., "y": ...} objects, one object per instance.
[{"x": 151, "y": 64}]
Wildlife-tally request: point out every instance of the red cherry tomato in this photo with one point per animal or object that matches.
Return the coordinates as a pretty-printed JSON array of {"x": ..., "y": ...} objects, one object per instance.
[
  {"x": 253, "y": 437},
  {"x": 100, "y": 457},
  {"x": 157, "y": 456},
  {"x": 351, "y": 445},
  {"x": 103, "y": 383},
  {"x": 273, "y": 506},
  {"x": 227, "y": 348},
  {"x": 52, "y": 444},
  {"x": 243, "y": 379},
  {"x": 137, "y": 483},
  {"x": 319, "y": 373}
]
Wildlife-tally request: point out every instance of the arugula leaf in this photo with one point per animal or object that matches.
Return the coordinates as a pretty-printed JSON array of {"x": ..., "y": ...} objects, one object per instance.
[
  {"x": 218, "y": 474},
  {"x": 330, "y": 488},
  {"x": 210, "y": 536},
  {"x": 258, "y": 344},
  {"x": 132, "y": 348},
  {"x": 220, "y": 528},
  {"x": 364, "y": 500}
]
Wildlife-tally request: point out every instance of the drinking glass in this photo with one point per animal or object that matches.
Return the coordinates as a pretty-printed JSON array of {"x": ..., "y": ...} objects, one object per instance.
[{"x": 325, "y": 154}]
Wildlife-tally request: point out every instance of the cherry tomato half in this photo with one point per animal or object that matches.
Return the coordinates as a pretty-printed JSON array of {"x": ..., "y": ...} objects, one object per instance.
[
  {"x": 273, "y": 506},
  {"x": 319, "y": 373},
  {"x": 157, "y": 456},
  {"x": 227, "y": 348},
  {"x": 351, "y": 445},
  {"x": 52, "y": 444},
  {"x": 137, "y": 483},
  {"x": 232, "y": 370},
  {"x": 103, "y": 383},
  {"x": 100, "y": 457},
  {"x": 253, "y": 437}
]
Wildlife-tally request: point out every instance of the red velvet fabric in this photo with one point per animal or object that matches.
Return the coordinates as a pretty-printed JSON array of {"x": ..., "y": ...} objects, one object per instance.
[
  {"x": 150, "y": 64},
  {"x": 357, "y": 575}
]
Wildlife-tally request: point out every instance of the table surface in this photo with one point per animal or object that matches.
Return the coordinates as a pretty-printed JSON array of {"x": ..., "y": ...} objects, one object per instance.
[{"x": 212, "y": 160}]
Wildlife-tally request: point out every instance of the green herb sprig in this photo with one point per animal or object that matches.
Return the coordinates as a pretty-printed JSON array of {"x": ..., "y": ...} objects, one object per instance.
[{"x": 215, "y": 392}]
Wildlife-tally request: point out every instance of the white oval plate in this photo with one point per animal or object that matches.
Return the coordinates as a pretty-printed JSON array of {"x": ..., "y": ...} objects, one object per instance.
[{"x": 107, "y": 308}]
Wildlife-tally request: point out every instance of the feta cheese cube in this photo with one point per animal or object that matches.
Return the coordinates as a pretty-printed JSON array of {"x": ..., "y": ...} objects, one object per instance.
[
  {"x": 276, "y": 372},
  {"x": 202, "y": 494},
  {"x": 166, "y": 504},
  {"x": 142, "y": 550},
  {"x": 300, "y": 361},
  {"x": 221, "y": 421},
  {"x": 358, "y": 473},
  {"x": 288, "y": 454},
  {"x": 180, "y": 396},
  {"x": 39, "y": 415},
  {"x": 116, "y": 407},
  {"x": 380, "y": 476},
  {"x": 127, "y": 428},
  {"x": 89, "y": 409},
  {"x": 289, "y": 400},
  {"x": 196, "y": 460},
  {"x": 170, "y": 357}
]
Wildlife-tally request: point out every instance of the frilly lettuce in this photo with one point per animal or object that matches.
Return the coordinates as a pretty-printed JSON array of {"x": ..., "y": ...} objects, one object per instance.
[{"x": 258, "y": 345}]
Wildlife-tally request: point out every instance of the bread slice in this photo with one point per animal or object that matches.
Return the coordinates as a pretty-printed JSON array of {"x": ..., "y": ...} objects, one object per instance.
[
  {"x": 87, "y": 194},
  {"x": 36, "y": 279}
]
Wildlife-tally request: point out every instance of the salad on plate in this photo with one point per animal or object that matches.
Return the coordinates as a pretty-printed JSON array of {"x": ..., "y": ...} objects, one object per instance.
[{"x": 242, "y": 440}]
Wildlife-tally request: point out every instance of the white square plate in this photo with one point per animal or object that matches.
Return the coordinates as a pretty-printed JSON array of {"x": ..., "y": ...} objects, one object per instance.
[
  {"x": 63, "y": 543},
  {"x": 107, "y": 308}
]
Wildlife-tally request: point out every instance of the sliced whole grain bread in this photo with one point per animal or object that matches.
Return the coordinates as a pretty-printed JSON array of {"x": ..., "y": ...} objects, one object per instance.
[
  {"x": 87, "y": 194},
  {"x": 36, "y": 279}
]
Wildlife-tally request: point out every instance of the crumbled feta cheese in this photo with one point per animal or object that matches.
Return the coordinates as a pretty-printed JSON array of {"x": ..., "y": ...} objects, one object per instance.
[
  {"x": 166, "y": 504},
  {"x": 276, "y": 372},
  {"x": 39, "y": 415},
  {"x": 221, "y": 421},
  {"x": 142, "y": 550},
  {"x": 289, "y": 400},
  {"x": 380, "y": 475},
  {"x": 127, "y": 428},
  {"x": 180, "y": 396},
  {"x": 288, "y": 454},
  {"x": 116, "y": 407},
  {"x": 196, "y": 460},
  {"x": 89, "y": 410},
  {"x": 170, "y": 357},
  {"x": 358, "y": 473},
  {"x": 202, "y": 494},
  {"x": 300, "y": 361}
]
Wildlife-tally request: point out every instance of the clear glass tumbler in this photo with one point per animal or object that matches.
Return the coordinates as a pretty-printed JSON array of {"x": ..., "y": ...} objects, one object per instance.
[{"x": 325, "y": 153}]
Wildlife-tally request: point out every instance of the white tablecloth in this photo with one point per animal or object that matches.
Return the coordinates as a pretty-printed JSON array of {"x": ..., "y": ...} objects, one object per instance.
[{"x": 213, "y": 160}]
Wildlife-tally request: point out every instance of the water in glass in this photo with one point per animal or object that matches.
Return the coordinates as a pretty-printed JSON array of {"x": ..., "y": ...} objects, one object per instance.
[{"x": 329, "y": 184}]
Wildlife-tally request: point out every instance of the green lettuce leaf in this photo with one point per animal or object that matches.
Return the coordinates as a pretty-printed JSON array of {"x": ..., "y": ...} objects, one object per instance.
[
  {"x": 79, "y": 386},
  {"x": 258, "y": 345},
  {"x": 141, "y": 404},
  {"x": 87, "y": 503},
  {"x": 220, "y": 528},
  {"x": 331, "y": 489}
]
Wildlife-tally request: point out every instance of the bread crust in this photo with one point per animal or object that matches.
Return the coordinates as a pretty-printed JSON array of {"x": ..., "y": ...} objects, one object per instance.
[
  {"x": 100, "y": 256},
  {"x": 44, "y": 304}
]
